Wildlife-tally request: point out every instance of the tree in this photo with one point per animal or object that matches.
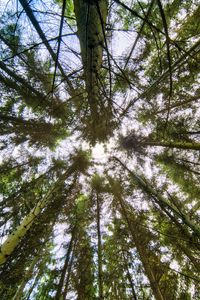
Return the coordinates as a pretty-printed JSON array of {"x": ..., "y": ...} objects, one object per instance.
[{"x": 99, "y": 137}]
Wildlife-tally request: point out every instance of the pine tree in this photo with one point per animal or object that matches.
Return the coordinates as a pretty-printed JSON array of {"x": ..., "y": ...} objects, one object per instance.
[{"x": 83, "y": 77}]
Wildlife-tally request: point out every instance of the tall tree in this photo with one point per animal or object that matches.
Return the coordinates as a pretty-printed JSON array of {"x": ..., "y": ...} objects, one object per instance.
[{"x": 99, "y": 149}]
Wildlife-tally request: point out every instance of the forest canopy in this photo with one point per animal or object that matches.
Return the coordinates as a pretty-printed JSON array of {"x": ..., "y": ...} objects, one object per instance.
[{"x": 99, "y": 149}]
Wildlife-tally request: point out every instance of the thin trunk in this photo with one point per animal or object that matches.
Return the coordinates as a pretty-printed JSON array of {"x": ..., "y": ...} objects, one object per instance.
[
  {"x": 100, "y": 279},
  {"x": 142, "y": 253},
  {"x": 130, "y": 279},
  {"x": 191, "y": 132},
  {"x": 145, "y": 261},
  {"x": 65, "y": 267},
  {"x": 188, "y": 161},
  {"x": 139, "y": 33},
  {"x": 163, "y": 76},
  {"x": 187, "y": 252},
  {"x": 173, "y": 218},
  {"x": 160, "y": 200},
  {"x": 33, "y": 285},
  {"x": 29, "y": 12},
  {"x": 195, "y": 208},
  {"x": 41, "y": 264},
  {"x": 19, "y": 293},
  {"x": 31, "y": 47},
  {"x": 68, "y": 274},
  {"x": 174, "y": 66}
]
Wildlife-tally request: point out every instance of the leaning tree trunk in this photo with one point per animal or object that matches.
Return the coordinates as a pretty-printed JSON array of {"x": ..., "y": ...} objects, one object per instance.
[
  {"x": 13, "y": 240},
  {"x": 66, "y": 264},
  {"x": 186, "y": 250},
  {"x": 27, "y": 276},
  {"x": 144, "y": 259},
  {"x": 33, "y": 286},
  {"x": 145, "y": 186},
  {"x": 69, "y": 273},
  {"x": 130, "y": 278},
  {"x": 36, "y": 25},
  {"x": 143, "y": 254}
]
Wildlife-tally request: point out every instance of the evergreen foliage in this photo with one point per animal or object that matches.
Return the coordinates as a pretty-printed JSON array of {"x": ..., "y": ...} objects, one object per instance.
[{"x": 99, "y": 150}]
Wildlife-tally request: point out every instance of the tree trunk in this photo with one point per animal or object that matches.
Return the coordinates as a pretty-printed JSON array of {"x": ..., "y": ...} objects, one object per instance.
[
  {"x": 142, "y": 252},
  {"x": 33, "y": 285},
  {"x": 13, "y": 240},
  {"x": 91, "y": 20},
  {"x": 160, "y": 200},
  {"x": 68, "y": 274},
  {"x": 29, "y": 12},
  {"x": 65, "y": 267},
  {"x": 188, "y": 253},
  {"x": 100, "y": 279},
  {"x": 130, "y": 279},
  {"x": 19, "y": 293}
]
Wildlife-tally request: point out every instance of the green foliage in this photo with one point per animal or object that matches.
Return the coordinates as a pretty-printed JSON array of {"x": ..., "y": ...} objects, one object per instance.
[
  {"x": 69, "y": 9},
  {"x": 123, "y": 75},
  {"x": 81, "y": 160},
  {"x": 181, "y": 174}
]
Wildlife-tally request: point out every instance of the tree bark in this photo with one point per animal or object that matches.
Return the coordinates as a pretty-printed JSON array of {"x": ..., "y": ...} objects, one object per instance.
[
  {"x": 19, "y": 293},
  {"x": 91, "y": 20},
  {"x": 65, "y": 267},
  {"x": 160, "y": 200},
  {"x": 33, "y": 286},
  {"x": 13, "y": 240},
  {"x": 29, "y": 12},
  {"x": 142, "y": 253},
  {"x": 68, "y": 274},
  {"x": 130, "y": 279},
  {"x": 100, "y": 279}
]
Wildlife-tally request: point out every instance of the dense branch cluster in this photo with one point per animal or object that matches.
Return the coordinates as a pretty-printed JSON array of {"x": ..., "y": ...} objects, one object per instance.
[{"x": 99, "y": 143}]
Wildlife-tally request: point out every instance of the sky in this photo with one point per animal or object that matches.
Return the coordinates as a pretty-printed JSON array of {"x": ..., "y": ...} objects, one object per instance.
[{"x": 119, "y": 43}]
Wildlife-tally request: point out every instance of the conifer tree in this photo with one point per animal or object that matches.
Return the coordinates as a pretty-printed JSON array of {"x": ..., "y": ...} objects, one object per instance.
[{"x": 99, "y": 150}]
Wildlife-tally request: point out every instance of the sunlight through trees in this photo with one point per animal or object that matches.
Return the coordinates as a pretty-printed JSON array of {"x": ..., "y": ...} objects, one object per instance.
[{"x": 100, "y": 144}]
